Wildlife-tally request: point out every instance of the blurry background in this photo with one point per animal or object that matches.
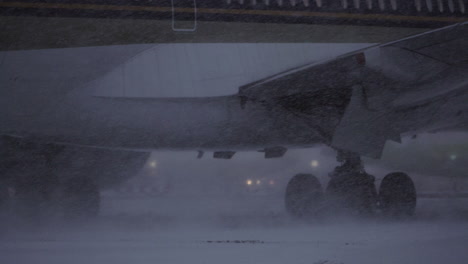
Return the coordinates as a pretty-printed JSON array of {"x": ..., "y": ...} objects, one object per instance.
[{"x": 248, "y": 189}]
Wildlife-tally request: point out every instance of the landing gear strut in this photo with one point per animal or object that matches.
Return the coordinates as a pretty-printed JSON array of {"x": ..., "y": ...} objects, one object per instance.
[
  {"x": 80, "y": 198},
  {"x": 351, "y": 190}
]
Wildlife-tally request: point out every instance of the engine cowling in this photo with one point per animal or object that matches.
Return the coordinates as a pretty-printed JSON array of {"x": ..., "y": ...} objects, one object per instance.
[{"x": 20, "y": 157}]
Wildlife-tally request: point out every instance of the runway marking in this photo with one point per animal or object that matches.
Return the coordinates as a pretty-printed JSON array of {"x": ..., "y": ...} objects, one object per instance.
[{"x": 231, "y": 11}]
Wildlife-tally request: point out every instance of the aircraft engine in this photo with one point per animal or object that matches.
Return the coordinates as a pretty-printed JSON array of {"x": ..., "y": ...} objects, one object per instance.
[{"x": 32, "y": 160}]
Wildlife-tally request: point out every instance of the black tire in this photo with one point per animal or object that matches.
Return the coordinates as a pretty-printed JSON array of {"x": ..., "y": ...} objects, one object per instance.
[
  {"x": 35, "y": 196},
  {"x": 303, "y": 196},
  {"x": 352, "y": 193},
  {"x": 4, "y": 196},
  {"x": 397, "y": 195},
  {"x": 80, "y": 198}
]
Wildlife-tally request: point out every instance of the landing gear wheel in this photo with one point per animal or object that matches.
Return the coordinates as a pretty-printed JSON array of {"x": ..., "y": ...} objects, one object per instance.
[
  {"x": 35, "y": 196},
  {"x": 303, "y": 195},
  {"x": 4, "y": 196},
  {"x": 397, "y": 195},
  {"x": 353, "y": 193},
  {"x": 81, "y": 198}
]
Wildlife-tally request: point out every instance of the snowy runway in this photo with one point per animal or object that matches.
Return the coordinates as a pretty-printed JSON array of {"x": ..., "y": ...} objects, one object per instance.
[
  {"x": 158, "y": 238},
  {"x": 348, "y": 243}
]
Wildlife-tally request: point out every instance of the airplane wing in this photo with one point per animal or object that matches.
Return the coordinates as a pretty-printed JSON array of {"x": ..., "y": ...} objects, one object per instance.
[{"x": 404, "y": 78}]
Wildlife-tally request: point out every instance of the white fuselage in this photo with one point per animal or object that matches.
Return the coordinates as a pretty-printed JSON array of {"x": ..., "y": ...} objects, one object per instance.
[
  {"x": 75, "y": 95},
  {"x": 68, "y": 96}
]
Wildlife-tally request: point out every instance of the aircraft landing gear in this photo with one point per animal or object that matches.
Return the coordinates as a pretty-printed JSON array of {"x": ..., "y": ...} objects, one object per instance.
[
  {"x": 4, "y": 195},
  {"x": 303, "y": 195},
  {"x": 80, "y": 198},
  {"x": 41, "y": 195},
  {"x": 350, "y": 191},
  {"x": 397, "y": 195},
  {"x": 35, "y": 184}
]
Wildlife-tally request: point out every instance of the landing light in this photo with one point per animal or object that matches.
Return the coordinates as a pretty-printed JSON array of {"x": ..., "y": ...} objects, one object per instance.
[
  {"x": 259, "y": 182},
  {"x": 453, "y": 156},
  {"x": 249, "y": 182},
  {"x": 314, "y": 163}
]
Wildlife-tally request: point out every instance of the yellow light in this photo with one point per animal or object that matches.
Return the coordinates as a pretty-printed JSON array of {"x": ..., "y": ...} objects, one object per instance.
[
  {"x": 153, "y": 164},
  {"x": 314, "y": 163},
  {"x": 249, "y": 182},
  {"x": 258, "y": 182}
]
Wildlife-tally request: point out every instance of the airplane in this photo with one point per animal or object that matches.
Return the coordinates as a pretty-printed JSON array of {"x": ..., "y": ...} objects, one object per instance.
[{"x": 353, "y": 103}]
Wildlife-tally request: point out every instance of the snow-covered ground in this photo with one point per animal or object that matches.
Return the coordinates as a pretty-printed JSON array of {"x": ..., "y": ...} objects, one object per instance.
[
  {"x": 325, "y": 243},
  {"x": 203, "y": 212},
  {"x": 248, "y": 229}
]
